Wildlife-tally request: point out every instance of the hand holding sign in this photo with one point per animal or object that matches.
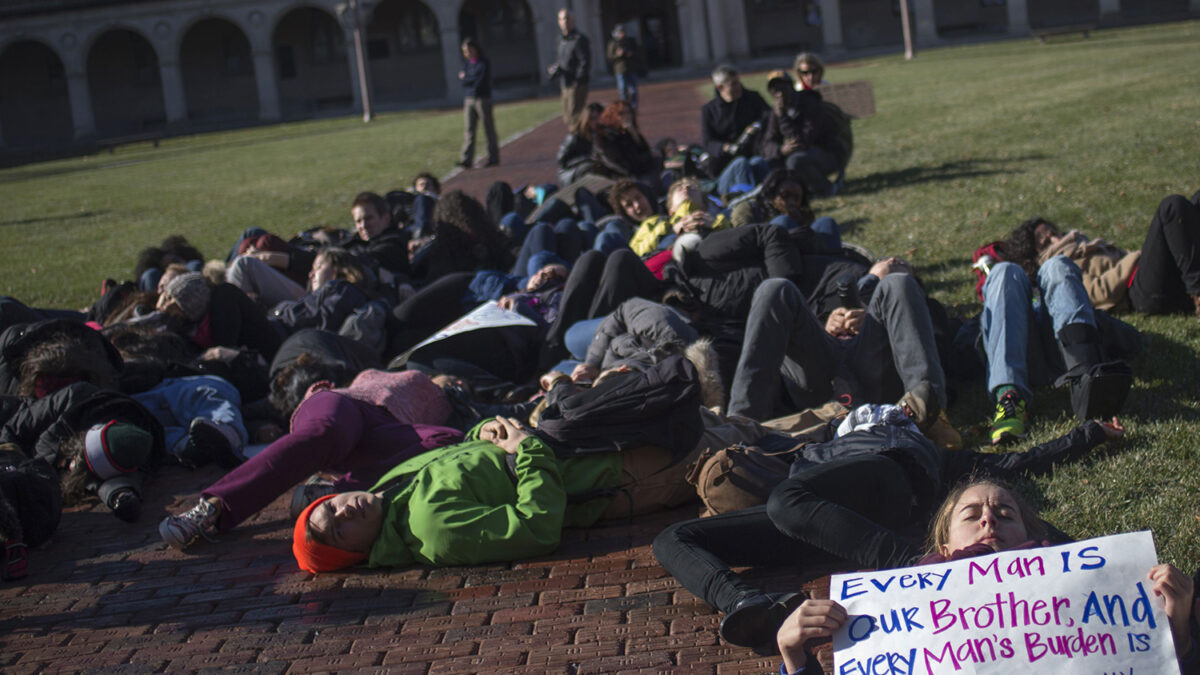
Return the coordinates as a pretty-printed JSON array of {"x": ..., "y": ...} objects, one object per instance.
[{"x": 1085, "y": 607}]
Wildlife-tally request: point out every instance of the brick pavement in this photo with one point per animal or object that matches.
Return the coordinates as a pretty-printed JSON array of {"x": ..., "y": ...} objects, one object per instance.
[
  {"x": 106, "y": 596},
  {"x": 665, "y": 109}
]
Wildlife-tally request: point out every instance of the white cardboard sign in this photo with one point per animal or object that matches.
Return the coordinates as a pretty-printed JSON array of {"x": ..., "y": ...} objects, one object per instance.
[
  {"x": 486, "y": 315},
  {"x": 1084, "y": 607}
]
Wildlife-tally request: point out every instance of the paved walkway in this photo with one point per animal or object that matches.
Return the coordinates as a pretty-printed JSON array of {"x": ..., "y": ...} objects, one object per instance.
[
  {"x": 665, "y": 109},
  {"x": 106, "y": 596}
]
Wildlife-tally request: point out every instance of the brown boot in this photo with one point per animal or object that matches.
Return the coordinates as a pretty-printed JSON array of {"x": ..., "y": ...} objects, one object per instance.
[
  {"x": 921, "y": 405},
  {"x": 943, "y": 434}
]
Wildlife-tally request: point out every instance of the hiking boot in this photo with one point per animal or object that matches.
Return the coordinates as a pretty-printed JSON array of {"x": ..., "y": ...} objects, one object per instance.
[
  {"x": 921, "y": 405},
  {"x": 1009, "y": 423},
  {"x": 184, "y": 529},
  {"x": 313, "y": 489},
  {"x": 943, "y": 434}
]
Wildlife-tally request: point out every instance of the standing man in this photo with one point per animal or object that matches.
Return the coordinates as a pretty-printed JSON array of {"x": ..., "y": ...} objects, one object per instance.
[
  {"x": 573, "y": 67},
  {"x": 622, "y": 53},
  {"x": 476, "y": 77}
]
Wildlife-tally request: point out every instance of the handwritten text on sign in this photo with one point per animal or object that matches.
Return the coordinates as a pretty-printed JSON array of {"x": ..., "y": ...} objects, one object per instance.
[{"x": 1085, "y": 607}]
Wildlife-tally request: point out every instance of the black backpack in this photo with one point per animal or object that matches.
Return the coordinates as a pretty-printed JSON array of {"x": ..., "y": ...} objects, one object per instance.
[{"x": 659, "y": 405}]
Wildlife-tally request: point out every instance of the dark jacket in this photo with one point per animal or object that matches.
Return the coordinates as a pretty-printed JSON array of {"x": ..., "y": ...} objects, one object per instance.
[
  {"x": 89, "y": 356},
  {"x": 574, "y": 158},
  {"x": 723, "y": 272},
  {"x": 574, "y": 64},
  {"x": 629, "y": 63},
  {"x": 477, "y": 78},
  {"x": 803, "y": 119},
  {"x": 41, "y": 426},
  {"x": 722, "y": 122},
  {"x": 622, "y": 154},
  {"x": 327, "y": 307},
  {"x": 387, "y": 250}
]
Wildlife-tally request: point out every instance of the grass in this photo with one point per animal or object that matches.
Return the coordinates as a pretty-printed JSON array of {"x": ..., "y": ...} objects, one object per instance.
[{"x": 967, "y": 142}]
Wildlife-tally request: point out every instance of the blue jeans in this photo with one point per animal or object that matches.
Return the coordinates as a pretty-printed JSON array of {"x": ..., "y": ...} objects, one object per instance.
[
  {"x": 742, "y": 171},
  {"x": 614, "y": 233},
  {"x": 176, "y": 401},
  {"x": 1009, "y": 320},
  {"x": 565, "y": 239},
  {"x": 627, "y": 86},
  {"x": 579, "y": 336},
  {"x": 825, "y": 228}
]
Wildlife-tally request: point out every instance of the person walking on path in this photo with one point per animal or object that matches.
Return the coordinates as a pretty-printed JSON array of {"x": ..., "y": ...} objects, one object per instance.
[
  {"x": 622, "y": 53},
  {"x": 573, "y": 67},
  {"x": 476, "y": 77}
]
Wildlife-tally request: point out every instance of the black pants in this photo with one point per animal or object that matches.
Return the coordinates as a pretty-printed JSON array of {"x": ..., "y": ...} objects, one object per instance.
[
  {"x": 1169, "y": 269},
  {"x": 433, "y": 307},
  {"x": 841, "y": 512},
  {"x": 596, "y": 285}
]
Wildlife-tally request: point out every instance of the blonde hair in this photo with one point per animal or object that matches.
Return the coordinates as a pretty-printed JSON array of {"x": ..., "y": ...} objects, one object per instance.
[{"x": 939, "y": 526}]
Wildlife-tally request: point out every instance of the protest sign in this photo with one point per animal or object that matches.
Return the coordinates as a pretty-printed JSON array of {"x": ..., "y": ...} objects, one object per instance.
[
  {"x": 487, "y": 315},
  {"x": 1084, "y": 607}
]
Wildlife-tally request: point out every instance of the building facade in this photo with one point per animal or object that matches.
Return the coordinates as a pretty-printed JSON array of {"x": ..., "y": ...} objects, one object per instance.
[{"x": 72, "y": 71}]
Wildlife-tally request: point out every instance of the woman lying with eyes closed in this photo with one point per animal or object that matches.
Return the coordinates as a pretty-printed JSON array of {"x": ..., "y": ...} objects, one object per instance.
[{"x": 978, "y": 518}]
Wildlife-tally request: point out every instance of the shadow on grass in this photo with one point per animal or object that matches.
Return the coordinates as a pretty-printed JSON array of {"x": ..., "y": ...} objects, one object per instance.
[
  {"x": 52, "y": 219},
  {"x": 1165, "y": 371},
  {"x": 946, "y": 171}
]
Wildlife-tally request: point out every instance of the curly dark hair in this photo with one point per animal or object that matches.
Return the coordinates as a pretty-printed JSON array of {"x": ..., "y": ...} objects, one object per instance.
[
  {"x": 460, "y": 219},
  {"x": 291, "y": 383},
  {"x": 1020, "y": 246},
  {"x": 174, "y": 249},
  {"x": 771, "y": 187}
]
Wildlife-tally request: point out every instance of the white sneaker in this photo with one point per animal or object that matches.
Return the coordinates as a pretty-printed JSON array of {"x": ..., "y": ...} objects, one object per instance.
[{"x": 184, "y": 529}]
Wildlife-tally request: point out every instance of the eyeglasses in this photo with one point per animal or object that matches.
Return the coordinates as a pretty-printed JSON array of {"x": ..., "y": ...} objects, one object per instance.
[{"x": 806, "y": 72}]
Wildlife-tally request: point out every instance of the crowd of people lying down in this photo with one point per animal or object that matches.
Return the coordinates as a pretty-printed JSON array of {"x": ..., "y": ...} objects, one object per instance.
[{"x": 652, "y": 307}]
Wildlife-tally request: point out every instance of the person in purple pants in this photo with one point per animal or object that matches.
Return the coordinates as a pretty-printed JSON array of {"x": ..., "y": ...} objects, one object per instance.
[{"x": 331, "y": 432}]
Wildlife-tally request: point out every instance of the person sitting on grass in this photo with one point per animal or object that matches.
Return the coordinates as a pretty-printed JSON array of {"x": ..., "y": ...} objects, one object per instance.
[{"x": 979, "y": 518}]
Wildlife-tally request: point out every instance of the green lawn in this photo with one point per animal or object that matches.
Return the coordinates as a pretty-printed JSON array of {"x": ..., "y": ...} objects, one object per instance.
[{"x": 967, "y": 142}]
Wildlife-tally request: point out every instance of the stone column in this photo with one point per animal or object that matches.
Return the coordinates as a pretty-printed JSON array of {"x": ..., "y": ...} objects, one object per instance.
[
  {"x": 80, "y": 96},
  {"x": 452, "y": 62},
  {"x": 926, "y": 23},
  {"x": 831, "y": 25},
  {"x": 174, "y": 99},
  {"x": 1194, "y": 6},
  {"x": 1109, "y": 8},
  {"x": 1018, "y": 18},
  {"x": 718, "y": 30},
  {"x": 352, "y": 65},
  {"x": 268, "y": 86}
]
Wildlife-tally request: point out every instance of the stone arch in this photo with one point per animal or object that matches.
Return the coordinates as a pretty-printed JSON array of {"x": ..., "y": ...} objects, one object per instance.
[
  {"x": 310, "y": 63},
  {"x": 1049, "y": 13},
  {"x": 125, "y": 84},
  {"x": 217, "y": 67},
  {"x": 955, "y": 18},
  {"x": 404, "y": 52},
  {"x": 653, "y": 23},
  {"x": 505, "y": 30},
  {"x": 783, "y": 26},
  {"x": 35, "y": 108}
]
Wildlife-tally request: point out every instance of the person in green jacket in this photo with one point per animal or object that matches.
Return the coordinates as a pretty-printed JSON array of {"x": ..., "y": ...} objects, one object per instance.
[{"x": 502, "y": 495}]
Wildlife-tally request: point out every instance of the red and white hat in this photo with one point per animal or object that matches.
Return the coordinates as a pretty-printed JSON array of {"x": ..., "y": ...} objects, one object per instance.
[{"x": 114, "y": 448}]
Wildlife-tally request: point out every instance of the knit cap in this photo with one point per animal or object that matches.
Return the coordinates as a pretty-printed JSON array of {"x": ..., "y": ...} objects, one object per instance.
[
  {"x": 114, "y": 448},
  {"x": 190, "y": 291},
  {"x": 313, "y": 556}
]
